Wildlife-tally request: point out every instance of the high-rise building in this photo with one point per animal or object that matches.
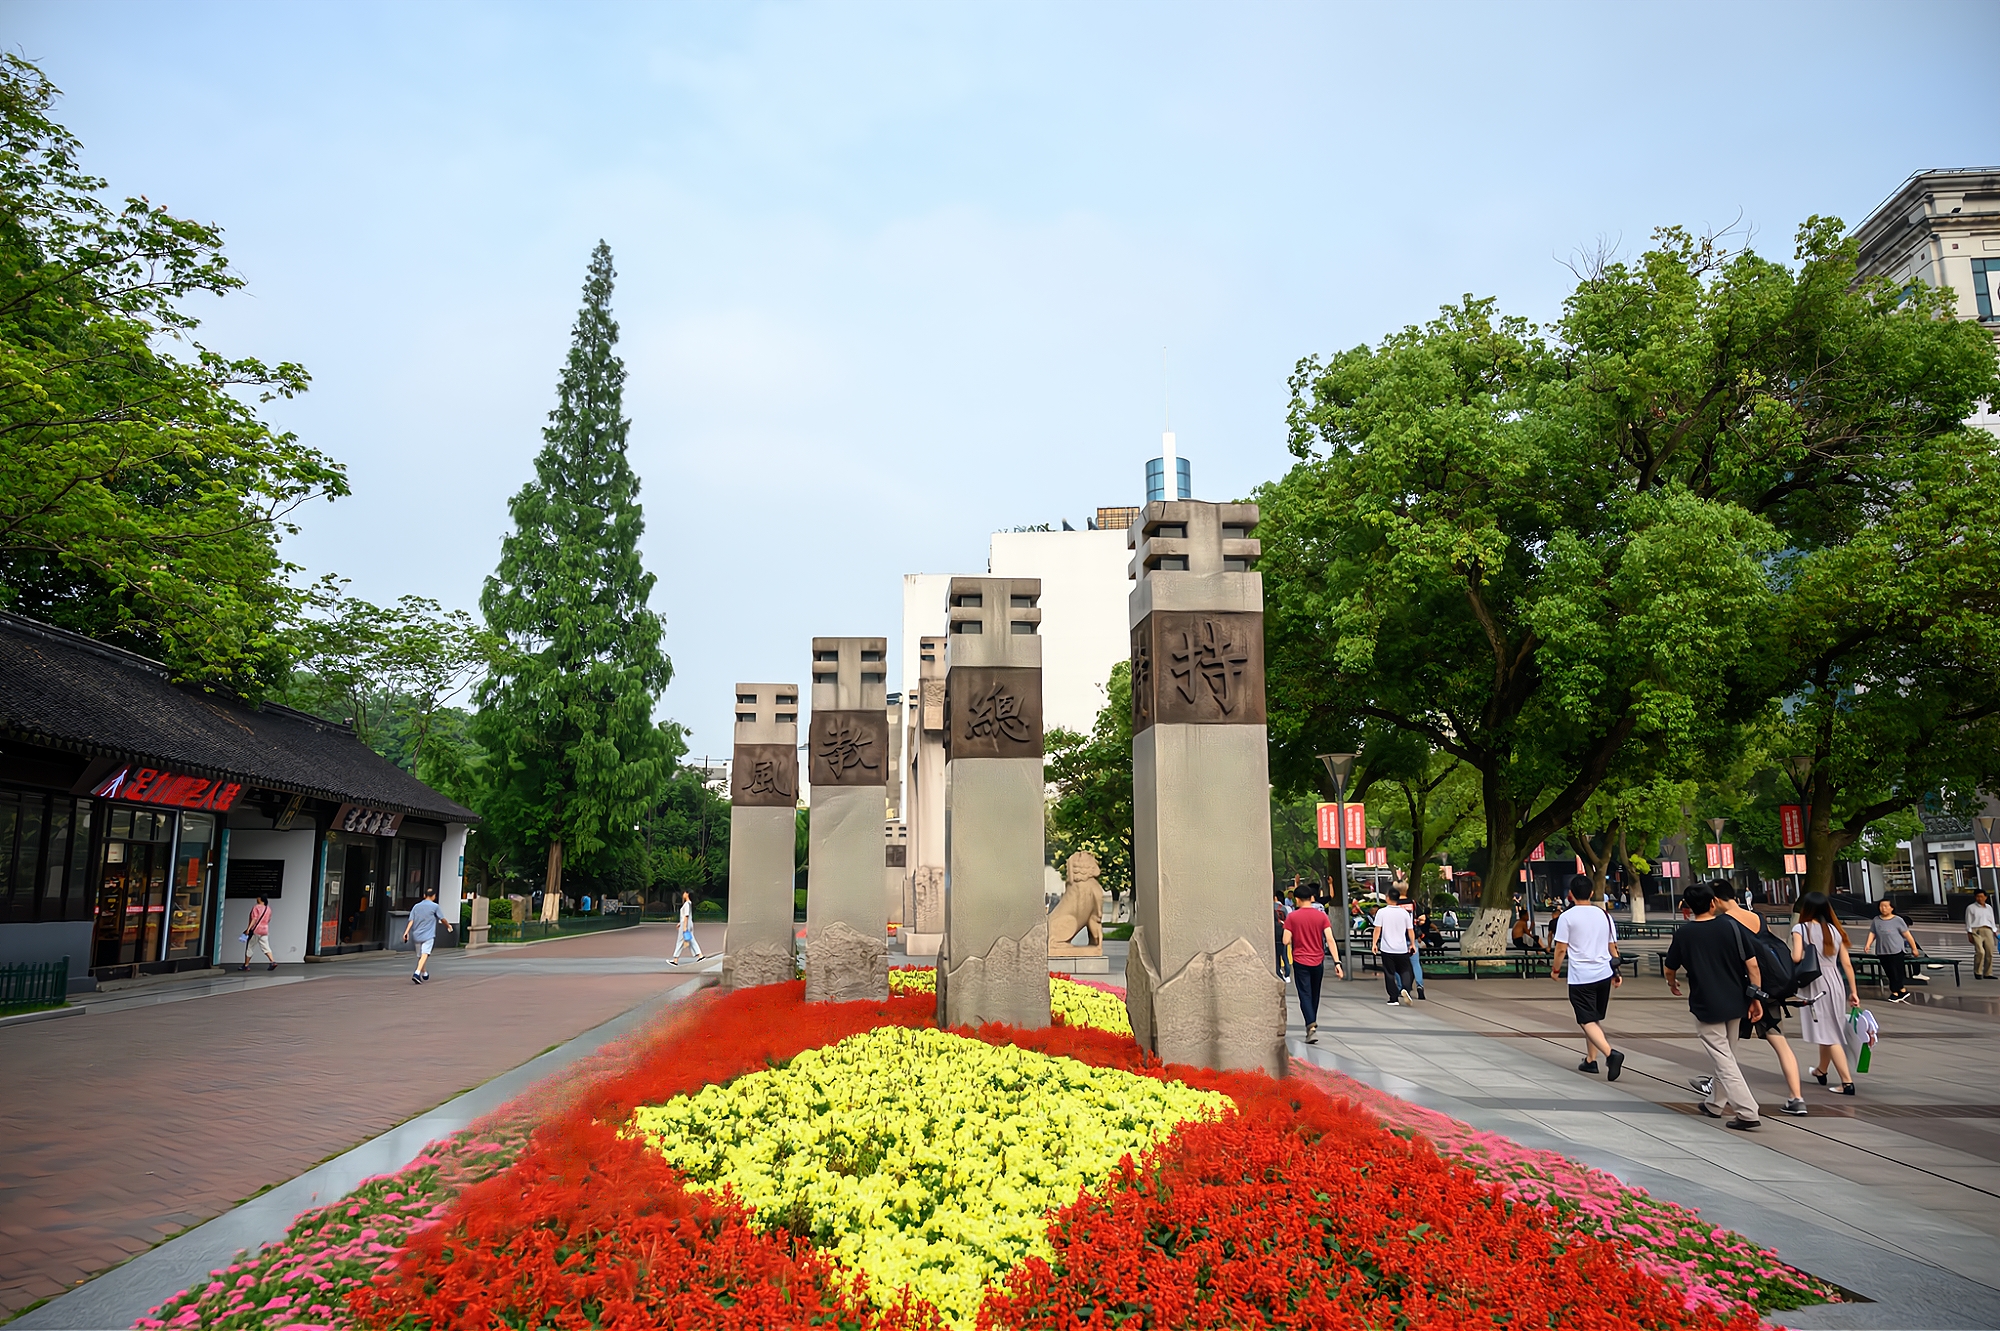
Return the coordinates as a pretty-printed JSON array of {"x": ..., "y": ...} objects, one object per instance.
[{"x": 1942, "y": 228}]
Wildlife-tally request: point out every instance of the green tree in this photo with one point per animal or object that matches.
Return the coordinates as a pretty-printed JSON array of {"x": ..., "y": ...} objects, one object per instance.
[
  {"x": 1092, "y": 776},
  {"x": 391, "y": 671},
  {"x": 566, "y": 710},
  {"x": 1535, "y": 552},
  {"x": 142, "y": 495}
]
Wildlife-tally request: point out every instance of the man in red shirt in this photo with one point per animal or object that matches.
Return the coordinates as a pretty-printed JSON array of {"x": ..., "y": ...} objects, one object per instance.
[{"x": 1309, "y": 938}]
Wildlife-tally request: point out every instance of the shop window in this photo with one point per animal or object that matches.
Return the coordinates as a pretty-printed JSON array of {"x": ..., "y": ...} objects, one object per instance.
[
  {"x": 44, "y": 849},
  {"x": 131, "y": 908}
]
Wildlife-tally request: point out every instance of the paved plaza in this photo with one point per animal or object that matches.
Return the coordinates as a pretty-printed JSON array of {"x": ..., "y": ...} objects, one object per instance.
[
  {"x": 166, "y": 1105},
  {"x": 1894, "y": 1194},
  {"x": 199, "y": 1094}
]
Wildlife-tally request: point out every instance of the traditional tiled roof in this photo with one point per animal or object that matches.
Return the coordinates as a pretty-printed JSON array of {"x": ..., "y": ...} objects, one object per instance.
[{"x": 68, "y": 692}]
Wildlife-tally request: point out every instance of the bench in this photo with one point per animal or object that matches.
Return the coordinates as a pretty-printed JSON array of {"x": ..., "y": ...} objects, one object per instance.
[
  {"x": 1535, "y": 965},
  {"x": 1868, "y": 967},
  {"x": 1521, "y": 965}
]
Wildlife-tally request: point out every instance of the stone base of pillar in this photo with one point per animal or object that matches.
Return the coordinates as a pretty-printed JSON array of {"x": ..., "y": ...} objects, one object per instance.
[
  {"x": 759, "y": 964},
  {"x": 1010, "y": 983},
  {"x": 843, "y": 966},
  {"x": 1223, "y": 1009},
  {"x": 1081, "y": 965},
  {"x": 921, "y": 945}
]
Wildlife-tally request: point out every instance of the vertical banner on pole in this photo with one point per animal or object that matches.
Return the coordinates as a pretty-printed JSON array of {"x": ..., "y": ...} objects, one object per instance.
[
  {"x": 1539, "y": 853},
  {"x": 1357, "y": 823},
  {"x": 1329, "y": 826},
  {"x": 1792, "y": 826},
  {"x": 1989, "y": 855}
]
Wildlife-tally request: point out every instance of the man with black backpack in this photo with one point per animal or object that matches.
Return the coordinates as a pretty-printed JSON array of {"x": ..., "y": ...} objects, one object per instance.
[
  {"x": 1782, "y": 983},
  {"x": 1724, "y": 979}
]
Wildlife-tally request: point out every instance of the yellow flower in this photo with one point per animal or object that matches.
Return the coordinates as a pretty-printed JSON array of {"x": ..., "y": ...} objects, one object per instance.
[
  {"x": 1077, "y": 1004},
  {"x": 922, "y": 1158}
]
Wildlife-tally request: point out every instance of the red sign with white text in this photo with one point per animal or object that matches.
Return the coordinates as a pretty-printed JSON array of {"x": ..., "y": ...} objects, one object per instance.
[
  {"x": 1330, "y": 828},
  {"x": 1721, "y": 854},
  {"x": 1379, "y": 856},
  {"x": 1670, "y": 868},
  {"x": 175, "y": 790},
  {"x": 1792, "y": 826},
  {"x": 1795, "y": 864},
  {"x": 1357, "y": 823},
  {"x": 1989, "y": 855}
]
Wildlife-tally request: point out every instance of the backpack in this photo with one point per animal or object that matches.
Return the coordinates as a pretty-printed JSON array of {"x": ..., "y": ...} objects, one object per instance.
[{"x": 1782, "y": 980}]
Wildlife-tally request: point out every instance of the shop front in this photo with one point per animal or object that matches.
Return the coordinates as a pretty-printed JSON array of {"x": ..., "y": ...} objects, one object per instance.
[{"x": 120, "y": 793}]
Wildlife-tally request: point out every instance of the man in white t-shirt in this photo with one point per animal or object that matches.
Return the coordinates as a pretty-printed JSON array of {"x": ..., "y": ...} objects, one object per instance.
[
  {"x": 1395, "y": 941},
  {"x": 1588, "y": 940}
]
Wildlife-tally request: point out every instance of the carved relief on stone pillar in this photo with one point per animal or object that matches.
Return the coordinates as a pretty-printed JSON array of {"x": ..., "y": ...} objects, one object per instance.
[
  {"x": 765, "y": 775},
  {"x": 993, "y": 712},
  {"x": 849, "y": 748},
  {"x": 1198, "y": 667}
]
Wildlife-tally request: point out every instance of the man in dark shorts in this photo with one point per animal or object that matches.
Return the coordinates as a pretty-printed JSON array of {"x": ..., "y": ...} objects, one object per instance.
[{"x": 1587, "y": 939}]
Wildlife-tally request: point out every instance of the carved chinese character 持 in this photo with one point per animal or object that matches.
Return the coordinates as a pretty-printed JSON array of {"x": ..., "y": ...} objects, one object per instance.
[{"x": 1206, "y": 657}]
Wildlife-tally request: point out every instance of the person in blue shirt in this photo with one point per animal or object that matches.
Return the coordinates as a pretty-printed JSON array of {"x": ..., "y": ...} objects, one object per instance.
[{"x": 425, "y": 917}]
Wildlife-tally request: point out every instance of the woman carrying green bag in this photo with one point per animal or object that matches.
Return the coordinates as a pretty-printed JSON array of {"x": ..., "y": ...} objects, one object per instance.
[{"x": 1819, "y": 943}]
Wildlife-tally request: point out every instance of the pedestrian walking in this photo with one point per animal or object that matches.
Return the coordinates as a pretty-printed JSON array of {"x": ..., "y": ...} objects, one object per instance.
[
  {"x": 1979, "y": 928},
  {"x": 1828, "y": 1001},
  {"x": 1770, "y": 1028},
  {"x": 425, "y": 917},
  {"x": 1588, "y": 941},
  {"x": 1724, "y": 987},
  {"x": 257, "y": 933},
  {"x": 1395, "y": 941},
  {"x": 1308, "y": 937},
  {"x": 1422, "y": 937},
  {"x": 1278, "y": 914},
  {"x": 687, "y": 938},
  {"x": 1889, "y": 938}
]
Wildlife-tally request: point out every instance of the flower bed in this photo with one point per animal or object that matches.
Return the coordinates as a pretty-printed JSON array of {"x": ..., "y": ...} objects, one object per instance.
[{"x": 765, "y": 1162}]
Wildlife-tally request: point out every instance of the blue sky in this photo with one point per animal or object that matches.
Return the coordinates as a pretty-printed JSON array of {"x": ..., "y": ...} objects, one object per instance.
[{"x": 893, "y": 276}]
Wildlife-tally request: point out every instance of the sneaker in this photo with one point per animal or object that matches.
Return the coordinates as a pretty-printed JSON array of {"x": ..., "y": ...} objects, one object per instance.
[
  {"x": 1903, "y": 997},
  {"x": 1588, "y": 1065},
  {"x": 1615, "y": 1064},
  {"x": 675, "y": 962},
  {"x": 1392, "y": 1002},
  {"x": 416, "y": 978},
  {"x": 1404, "y": 998},
  {"x": 1312, "y": 1033},
  {"x": 273, "y": 966},
  {"x": 423, "y": 977},
  {"x": 1796, "y": 1108},
  {"x": 1702, "y": 1085},
  {"x": 1743, "y": 1124},
  {"x": 244, "y": 967},
  {"x": 1420, "y": 991}
]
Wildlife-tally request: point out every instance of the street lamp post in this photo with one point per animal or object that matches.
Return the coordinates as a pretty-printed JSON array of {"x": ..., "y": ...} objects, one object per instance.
[
  {"x": 1715, "y": 826},
  {"x": 1985, "y": 826},
  {"x": 1802, "y": 768},
  {"x": 1340, "y": 766}
]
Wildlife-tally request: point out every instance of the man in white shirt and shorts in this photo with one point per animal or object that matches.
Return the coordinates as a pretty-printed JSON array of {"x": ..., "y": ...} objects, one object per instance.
[{"x": 1586, "y": 937}]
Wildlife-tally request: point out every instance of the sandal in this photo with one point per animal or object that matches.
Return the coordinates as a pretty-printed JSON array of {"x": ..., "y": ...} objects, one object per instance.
[{"x": 1820, "y": 1077}]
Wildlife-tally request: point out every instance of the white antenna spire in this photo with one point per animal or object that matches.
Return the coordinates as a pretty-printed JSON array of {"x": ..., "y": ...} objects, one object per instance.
[{"x": 1167, "y": 434}]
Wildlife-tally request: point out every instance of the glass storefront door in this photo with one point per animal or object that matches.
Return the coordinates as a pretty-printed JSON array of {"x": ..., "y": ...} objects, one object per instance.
[
  {"x": 132, "y": 889},
  {"x": 354, "y": 906},
  {"x": 194, "y": 871}
]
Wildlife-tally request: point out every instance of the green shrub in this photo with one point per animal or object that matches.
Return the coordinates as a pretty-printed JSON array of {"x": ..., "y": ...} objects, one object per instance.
[{"x": 500, "y": 911}]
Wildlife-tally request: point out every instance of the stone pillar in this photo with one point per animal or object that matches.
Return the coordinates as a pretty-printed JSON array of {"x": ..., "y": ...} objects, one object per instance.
[
  {"x": 847, "y": 923},
  {"x": 994, "y": 962},
  {"x": 923, "y": 901},
  {"x": 895, "y": 866},
  {"x": 763, "y": 821},
  {"x": 1201, "y": 980}
]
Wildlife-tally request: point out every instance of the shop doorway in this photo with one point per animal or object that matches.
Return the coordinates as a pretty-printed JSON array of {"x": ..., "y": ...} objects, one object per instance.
[
  {"x": 132, "y": 890},
  {"x": 354, "y": 906}
]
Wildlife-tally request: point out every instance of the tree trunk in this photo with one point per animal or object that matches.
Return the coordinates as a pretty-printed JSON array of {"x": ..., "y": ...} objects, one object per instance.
[
  {"x": 1638, "y": 885},
  {"x": 552, "y": 884},
  {"x": 1492, "y": 926}
]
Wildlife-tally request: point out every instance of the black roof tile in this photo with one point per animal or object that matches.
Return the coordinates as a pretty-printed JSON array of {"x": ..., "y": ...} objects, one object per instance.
[{"x": 67, "y": 692}]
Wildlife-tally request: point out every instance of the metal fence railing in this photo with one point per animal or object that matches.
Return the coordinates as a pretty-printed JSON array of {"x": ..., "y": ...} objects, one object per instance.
[
  {"x": 569, "y": 926},
  {"x": 33, "y": 984}
]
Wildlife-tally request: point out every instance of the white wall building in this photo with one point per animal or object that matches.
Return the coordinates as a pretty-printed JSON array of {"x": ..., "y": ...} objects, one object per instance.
[{"x": 1085, "y": 584}]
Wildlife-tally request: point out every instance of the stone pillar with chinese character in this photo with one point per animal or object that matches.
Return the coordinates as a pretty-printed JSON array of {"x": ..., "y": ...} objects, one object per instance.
[
  {"x": 923, "y": 899},
  {"x": 993, "y": 964},
  {"x": 848, "y": 756},
  {"x": 1200, "y": 977},
  {"x": 763, "y": 845}
]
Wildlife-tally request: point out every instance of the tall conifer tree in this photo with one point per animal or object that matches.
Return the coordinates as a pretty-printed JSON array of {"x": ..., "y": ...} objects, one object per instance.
[{"x": 567, "y": 711}]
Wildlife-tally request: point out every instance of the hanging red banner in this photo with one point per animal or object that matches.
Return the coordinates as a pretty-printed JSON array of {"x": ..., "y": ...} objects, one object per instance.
[
  {"x": 1539, "y": 853},
  {"x": 1378, "y": 856},
  {"x": 1357, "y": 824},
  {"x": 1670, "y": 868},
  {"x": 1795, "y": 864},
  {"x": 1792, "y": 826},
  {"x": 1329, "y": 826},
  {"x": 1989, "y": 855},
  {"x": 1721, "y": 854}
]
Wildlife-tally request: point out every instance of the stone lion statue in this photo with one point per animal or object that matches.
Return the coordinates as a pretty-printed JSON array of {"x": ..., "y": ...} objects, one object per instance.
[{"x": 1082, "y": 904}]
